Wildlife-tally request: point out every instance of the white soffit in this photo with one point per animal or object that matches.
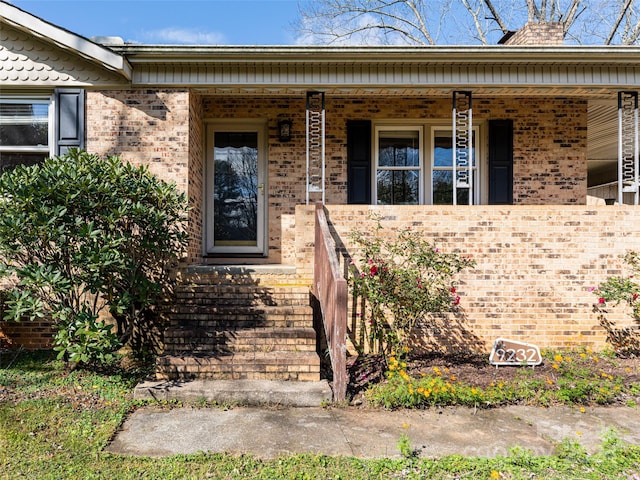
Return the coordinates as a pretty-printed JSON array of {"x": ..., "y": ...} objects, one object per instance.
[
  {"x": 64, "y": 39},
  {"x": 490, "y": 70}
]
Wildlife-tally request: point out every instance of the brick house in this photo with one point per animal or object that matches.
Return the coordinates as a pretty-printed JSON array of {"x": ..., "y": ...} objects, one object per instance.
[{"x": 256, "y": 135}]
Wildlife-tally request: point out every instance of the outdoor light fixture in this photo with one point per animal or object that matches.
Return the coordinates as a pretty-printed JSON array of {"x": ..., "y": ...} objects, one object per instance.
[{"x": 284, "y": 130}]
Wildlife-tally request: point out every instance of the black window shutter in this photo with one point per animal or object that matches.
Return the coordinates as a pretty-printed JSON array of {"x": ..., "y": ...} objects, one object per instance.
[
  {"x": 69, "y": 125},
  {"x": 359, "y": 161},
  {"x": 500, "y": 162}
]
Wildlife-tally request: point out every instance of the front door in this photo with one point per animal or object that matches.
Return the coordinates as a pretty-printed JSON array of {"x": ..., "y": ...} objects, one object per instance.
[{"x": 235, "y": 189}]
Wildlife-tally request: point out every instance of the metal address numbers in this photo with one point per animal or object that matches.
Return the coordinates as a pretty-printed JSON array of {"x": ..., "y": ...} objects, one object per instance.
[{"x": 512, "y": 352}]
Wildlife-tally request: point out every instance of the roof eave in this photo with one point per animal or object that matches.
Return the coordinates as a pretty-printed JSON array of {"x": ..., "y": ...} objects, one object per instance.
[
  {"x": 382, "y": 54},
  {"x": 64, "y": 39}
]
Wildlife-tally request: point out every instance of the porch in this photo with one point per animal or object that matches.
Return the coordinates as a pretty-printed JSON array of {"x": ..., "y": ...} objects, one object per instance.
[{"x": 535, "y": 266}]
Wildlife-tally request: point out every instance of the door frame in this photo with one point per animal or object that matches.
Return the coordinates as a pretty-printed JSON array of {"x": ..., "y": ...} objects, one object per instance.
[{"x": 236, "y": 125}]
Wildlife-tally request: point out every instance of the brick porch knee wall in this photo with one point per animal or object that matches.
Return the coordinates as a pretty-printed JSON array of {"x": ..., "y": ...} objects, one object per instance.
[{"x": 534, "y": 266}]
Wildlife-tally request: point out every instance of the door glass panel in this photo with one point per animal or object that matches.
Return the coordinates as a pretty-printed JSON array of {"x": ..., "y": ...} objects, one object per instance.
[{"x": 235, "y": 190}]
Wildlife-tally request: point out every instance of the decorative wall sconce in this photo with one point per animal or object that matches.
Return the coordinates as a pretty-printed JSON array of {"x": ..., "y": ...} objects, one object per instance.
[{"x": 284, "y": 130}]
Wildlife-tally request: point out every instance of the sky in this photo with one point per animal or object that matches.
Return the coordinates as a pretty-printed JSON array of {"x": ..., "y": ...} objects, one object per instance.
[{"x": 209, "y": 22}]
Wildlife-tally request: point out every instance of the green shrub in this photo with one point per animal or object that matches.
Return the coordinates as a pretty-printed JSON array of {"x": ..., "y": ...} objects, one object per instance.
[{"x": 80, "y": 235}]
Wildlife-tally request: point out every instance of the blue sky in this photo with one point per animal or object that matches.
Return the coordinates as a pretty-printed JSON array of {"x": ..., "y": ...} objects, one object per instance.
[{"x": 223, "y": 22}]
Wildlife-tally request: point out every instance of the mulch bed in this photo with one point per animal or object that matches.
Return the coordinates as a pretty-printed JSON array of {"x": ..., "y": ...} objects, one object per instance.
[{"x": 476, "y": 371}]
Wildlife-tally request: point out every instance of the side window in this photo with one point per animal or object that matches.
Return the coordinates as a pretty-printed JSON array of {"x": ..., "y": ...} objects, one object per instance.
[
  {"x": 25, "y": 131},
  {"x": 399, "y": 166}
]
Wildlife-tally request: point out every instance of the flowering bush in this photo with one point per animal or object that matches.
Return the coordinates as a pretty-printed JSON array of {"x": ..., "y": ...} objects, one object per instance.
[
  {"x": 401, "y": 280},
  {"x": 616, "y": 290},
  {"x": 621, "y": 289}
]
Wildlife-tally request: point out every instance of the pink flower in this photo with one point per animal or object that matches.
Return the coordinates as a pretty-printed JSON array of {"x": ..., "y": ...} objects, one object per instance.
[
  {"x": 373, "y": 270},
  {"x": 591, "y": 289},
  {"x": 457, "y": 300},
  {"x": 635, "y": 296},
  {"x": 601, "y": 300},
  {"x": 452, "y": 289}
]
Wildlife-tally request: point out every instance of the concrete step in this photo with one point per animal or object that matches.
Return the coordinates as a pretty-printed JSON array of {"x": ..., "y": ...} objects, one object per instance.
[
  {"x": 183, "y": 340},
  {"x": 275, "y": 365},
  {"x": 238, "y": 392}
]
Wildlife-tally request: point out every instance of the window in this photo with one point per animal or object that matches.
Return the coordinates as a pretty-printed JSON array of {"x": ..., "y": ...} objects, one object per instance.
[
  {"x": 398, "y": 176},
  {"x": 25, "y": 131},
  {"x": 411, "y": 170},
  {"x": 442, "y": 170}
]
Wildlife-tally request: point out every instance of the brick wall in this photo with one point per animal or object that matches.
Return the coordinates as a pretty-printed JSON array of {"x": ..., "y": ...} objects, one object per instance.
[
  {"x": 534, "y": 266},
  {"x": 158, "y": 128},
  {"x": 30, "y": 335}
]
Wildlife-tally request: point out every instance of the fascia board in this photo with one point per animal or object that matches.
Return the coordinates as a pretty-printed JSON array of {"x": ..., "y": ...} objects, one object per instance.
[
  {"x": 64, "y": 39},
  {"x": 466, "y": 55}
]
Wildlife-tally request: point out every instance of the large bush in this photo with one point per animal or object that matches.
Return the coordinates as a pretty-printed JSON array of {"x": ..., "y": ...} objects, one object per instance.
[{"x": 81, "y": 236}]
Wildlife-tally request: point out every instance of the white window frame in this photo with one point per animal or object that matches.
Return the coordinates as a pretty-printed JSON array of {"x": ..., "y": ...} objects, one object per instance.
[
  {"x": 47, "y": 150},
  {"x": 427, "y": 129},
  {"x": 377, "y": 167}
]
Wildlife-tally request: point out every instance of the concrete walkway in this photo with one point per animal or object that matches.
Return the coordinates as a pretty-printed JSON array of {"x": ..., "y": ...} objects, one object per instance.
[{"x": 270, "y": 432}]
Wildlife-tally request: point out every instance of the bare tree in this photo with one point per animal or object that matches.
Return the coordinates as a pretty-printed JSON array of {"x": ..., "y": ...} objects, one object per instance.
[{"x": 428, "y": 22}]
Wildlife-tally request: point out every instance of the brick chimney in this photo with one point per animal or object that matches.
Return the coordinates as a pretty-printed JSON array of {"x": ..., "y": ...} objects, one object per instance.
[{"x": 534, "y": 33}]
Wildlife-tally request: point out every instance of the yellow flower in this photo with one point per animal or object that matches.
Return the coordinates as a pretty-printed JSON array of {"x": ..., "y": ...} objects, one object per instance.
[
  {"x": 557, "y": 358},
  {"x": 578, "y": 433},
  {"x": 474, "y": 391},
  {"x": 495, "y": 474},
  {"x": 405, "y": 425},
  {"x": 492, "y": 384},
  {"x": 550, "y": 382},
  {"x": 555, "y": 366},
  {"x": 582, "y": 409},
  {"x": 453, "y": 378},
  {"x": 583, "y": 355}
]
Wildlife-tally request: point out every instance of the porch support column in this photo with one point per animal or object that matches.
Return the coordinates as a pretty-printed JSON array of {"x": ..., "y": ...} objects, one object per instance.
[
  {"x": 628, "y": 147},
  {"x": 462, "y": 145},
  {"x": 315, "y": 145}
]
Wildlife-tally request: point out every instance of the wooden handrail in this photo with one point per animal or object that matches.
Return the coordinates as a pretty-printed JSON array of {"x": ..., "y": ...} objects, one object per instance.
[{"x": 330, "y": 289}]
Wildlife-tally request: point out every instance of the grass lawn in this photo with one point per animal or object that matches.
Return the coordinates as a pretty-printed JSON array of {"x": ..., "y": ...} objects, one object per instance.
[{"x": 56, "y": 424}]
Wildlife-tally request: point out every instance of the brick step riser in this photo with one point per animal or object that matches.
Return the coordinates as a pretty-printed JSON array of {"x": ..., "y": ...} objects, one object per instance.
[
  {"x": 239, "y": 302},
  {"x": 273, "y": 376},
  {"x": 243, "y": 334},
  {"x": 241, "y": 372},
  {"x": 240, "y": 321},
  {"x": 203, "y": 349},
  {"x": 183, "y": 340},
  {"x": 249, "y": 281},
  {"x": 248, "y": 310}
]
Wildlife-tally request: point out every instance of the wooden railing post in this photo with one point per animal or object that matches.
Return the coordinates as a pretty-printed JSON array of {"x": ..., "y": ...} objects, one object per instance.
[{"x": 330, "y": 288}]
